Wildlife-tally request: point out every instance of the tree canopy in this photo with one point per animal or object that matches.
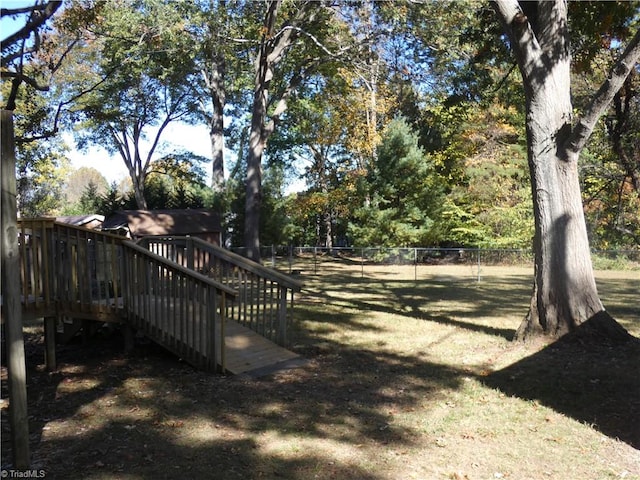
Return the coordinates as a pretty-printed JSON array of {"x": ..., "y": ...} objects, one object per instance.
[{"x": 313, "y": 89}]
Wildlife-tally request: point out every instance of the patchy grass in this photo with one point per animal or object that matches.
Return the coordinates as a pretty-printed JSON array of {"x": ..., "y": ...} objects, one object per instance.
[{"x": 406, "y": 379}]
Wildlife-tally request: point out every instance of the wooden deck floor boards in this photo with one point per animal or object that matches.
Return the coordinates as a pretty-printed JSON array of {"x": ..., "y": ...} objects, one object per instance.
[{"x": 247, "y": 350}]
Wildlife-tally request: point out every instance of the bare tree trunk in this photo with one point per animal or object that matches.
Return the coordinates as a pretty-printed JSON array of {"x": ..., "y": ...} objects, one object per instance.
[
  {"x": 328, "y": 230},
  {"x": 138, "y": 189},
  {"x": 217, "y": 152},
  {"x": 565, "y": 294},
  {"x": 214, "y": 80},
  {"x": 273, "y": 48},
  {"x": 253, "y": 185},
  {"x": 254, "y": 181},
  {"x": 257, "y": 137}
]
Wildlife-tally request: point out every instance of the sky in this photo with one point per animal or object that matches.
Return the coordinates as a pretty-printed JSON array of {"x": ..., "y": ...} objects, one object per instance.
[{"x": 176, "y": 137}]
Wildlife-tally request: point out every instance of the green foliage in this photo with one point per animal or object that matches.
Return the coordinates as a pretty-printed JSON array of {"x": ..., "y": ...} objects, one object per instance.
[
  {"x": 112, "y": 201},
  {"x": 610, "y": 171},
  {"x": 611, "y": 201},
  {"x": 76, "y": 183},
  {"x": 402, "y": 194},
  {"x": 162, "y": 194},
  {"x": 41, "y": 162},
  {"x": 276, "y": 225},
  {"x": 597, "y": 25},
  {"x": 90, "y": 200},
  {"x": 491, "y": 206},
  {"x": 459, "y": 226},
  {"x": 40, "y": 175},
  {"x": 453, "y": 172},
  {"x": 617, "y": 261},
  {"x": 273, "y": 216},
  {"x": 132, "y": 76}
]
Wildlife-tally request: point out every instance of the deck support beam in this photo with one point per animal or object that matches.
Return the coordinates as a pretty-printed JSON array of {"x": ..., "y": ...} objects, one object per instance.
[
  {"x": 50, "y": 343},
  {"x": 11, "y": 305}
]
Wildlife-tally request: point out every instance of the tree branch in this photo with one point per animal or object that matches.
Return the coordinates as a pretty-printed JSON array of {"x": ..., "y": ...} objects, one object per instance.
[
  {"x": 23, "y": 78},
  {"x": 8, "y": 12},
  {"x": 315, "y": 40},
  {"x": 603, "y": 97},
  {"x": 39, "y": 15},
  {"x": 523, "y": 40},
  {"x": 54, "y": 130}
]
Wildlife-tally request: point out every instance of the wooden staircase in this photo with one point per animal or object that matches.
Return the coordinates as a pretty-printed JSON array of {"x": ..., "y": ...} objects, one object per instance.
[{"x": 216, "y": 310}]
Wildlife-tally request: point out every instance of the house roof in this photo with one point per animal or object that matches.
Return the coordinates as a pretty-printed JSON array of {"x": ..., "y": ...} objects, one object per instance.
[
  {"x": 164, "y": 222},
  {"x": 80, "y": 220}
]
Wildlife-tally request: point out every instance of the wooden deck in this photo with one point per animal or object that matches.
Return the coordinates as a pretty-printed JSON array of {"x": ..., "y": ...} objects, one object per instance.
[
  {"x": 251, "y": 354},
  {"x": 245, "y": 351},
  {"x": 214, "y": 309}
]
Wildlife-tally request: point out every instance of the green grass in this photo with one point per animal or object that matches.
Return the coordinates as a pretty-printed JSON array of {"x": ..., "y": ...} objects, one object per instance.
[{"x": 406, "y": 379}]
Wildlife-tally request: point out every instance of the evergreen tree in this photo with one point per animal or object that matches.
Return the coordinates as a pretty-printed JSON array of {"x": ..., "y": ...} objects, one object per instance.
[
  {"x": 90, "y": 200},
  {"x": 402, "y": 193},
  {"x": 111, "y": 202}
]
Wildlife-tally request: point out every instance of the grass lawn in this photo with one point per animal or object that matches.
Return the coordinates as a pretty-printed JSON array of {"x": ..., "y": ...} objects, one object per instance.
[{"x": 406, "y": 379}]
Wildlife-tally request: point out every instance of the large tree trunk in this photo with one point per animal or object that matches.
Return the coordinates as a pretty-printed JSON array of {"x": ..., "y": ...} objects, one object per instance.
[
  {"x": 214, "y": 80},
  {"x": 254, "y": 181},
  {"x": 258, "y": 136},
  {"x": 138, "y": 189},
  {"x": 273, "y": 48},
  {"x": 328, "y": 227},
  {"x": 565, "y": 294},
  {"x": 217, "y": 152}
]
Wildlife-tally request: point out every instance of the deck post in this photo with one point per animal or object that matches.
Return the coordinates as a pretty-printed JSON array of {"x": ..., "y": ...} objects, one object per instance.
[
  {"x": 223, "y": 333},
  {"x": 189, "y": 253},
  {"x": 50, "y": 343},
  {"x": 282, "y": 317},
  {"x": 11, "y": 305}
]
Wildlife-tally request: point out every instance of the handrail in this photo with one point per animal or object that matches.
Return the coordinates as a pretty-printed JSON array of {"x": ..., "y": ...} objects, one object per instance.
[
  {"x": 183, "y": 310},
  {"x": 251, "y": 266},
  {"x": 192, "y": 273},
  {"x": 234, "y": 258},
  {"x": 264, "y": 294}
]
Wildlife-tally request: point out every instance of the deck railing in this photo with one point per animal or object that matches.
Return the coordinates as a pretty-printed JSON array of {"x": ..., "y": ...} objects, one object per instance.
[
  {"x": 179, "y": 308},
  {"x": 265, "y": 296},
  {"x": 81, "y": 273},
  {"x": 67, "y": 270}
]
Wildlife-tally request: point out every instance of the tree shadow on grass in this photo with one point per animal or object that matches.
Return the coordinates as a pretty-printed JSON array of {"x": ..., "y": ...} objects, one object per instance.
[
  {"x": 592, "y": 381},
  {"x": 506, "y": 333},
  {"x": 146, "y": 415},
  {"x": 465, "y": 303}
]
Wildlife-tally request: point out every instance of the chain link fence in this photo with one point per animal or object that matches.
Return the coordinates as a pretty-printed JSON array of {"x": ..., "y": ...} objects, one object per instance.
[{"x": 294, "y": 260}]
